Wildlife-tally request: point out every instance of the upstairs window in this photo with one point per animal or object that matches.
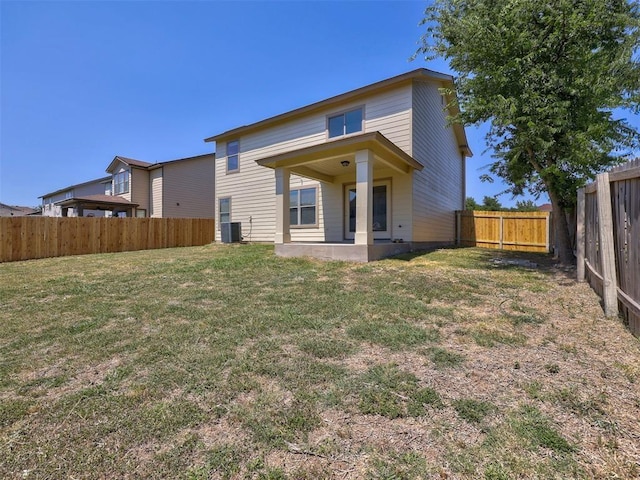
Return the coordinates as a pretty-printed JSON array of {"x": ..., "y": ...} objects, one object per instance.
[
  {"x": 121, "y": 182},
  {"x": 345, "y": 123},
  {"x": 233, "y": 148},
  {"x": 302, "y": 207}
]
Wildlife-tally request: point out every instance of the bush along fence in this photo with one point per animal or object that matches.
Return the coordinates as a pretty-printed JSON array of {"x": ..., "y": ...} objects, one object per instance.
[
  {"x": 521, "y": 231},
  {"x": 24, "y": 238},
  {"x": 608, "y": 241}
]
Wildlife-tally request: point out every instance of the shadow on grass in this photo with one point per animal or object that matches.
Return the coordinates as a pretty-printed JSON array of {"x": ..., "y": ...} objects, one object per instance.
[{"x": 478, "y": 258}]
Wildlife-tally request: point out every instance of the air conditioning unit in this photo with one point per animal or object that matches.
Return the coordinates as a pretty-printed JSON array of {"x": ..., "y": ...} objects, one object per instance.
[{"x": 231, "y": 232}]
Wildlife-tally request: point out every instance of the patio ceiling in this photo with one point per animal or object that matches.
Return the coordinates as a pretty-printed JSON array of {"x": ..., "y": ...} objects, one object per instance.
[{"x": 323, "y": 162}]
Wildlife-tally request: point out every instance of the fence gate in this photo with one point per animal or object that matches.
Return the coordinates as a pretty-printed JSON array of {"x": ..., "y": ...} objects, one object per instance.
[{"x": 520, "y": 231}]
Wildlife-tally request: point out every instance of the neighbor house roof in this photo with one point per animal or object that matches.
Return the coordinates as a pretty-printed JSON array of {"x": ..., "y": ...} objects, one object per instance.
[
  {"x": 419, "y": 74},
  {"x": 160, "y": 164},
  {"x": 71, "y": 187},
  {"x": 545, "y": 207},
  {"x": 150, "y": 166},
  {"x": 127, "y": 161},
  {"x": 17, "y": 209}
]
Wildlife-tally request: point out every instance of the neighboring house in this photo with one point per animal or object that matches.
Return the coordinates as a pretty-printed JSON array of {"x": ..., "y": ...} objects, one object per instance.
[
  {"x": 176, "y": 188},
  {"x": 51, "y": 202},
  {"x": 16, "y": 211},
  {"x": 367, "y": 174}
]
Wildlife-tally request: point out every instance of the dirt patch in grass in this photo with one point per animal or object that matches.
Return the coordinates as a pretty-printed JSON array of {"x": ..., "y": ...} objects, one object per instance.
[{"x": 447, "y": 364}]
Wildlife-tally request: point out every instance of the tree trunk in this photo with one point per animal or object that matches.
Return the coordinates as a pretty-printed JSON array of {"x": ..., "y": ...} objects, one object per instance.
[{"x": 563, "y": 248}]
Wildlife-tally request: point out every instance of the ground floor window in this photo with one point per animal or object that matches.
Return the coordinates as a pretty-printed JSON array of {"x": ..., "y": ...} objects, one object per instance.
[
  {"x": 225, "y": 210},
  {"x": 303, "y": 209},
  {"x": 141, "y": 212}
]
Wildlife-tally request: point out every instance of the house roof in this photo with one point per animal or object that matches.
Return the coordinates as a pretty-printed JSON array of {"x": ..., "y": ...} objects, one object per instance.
[
  {"x": 418, "y": 74},
  {"x": 324, "y": 161},
  {"x": 150, "y": 166},
  {"x": 545, "y": 207},
  {"x": 127, "y": 161},
  {"x": 17, "y": 209},
  {"x": 160, "y": 164},
  {"x": 71, "y": 187}
]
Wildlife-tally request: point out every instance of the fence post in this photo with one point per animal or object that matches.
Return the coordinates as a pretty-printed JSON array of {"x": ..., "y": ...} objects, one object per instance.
[
  {"x": 501, "y": 239},
  {"x": 607, "y": 253},
  {"x": 580, "y": 232},
  {"x": 458, "y": 215},
  {"x": 547, "y": 227}
]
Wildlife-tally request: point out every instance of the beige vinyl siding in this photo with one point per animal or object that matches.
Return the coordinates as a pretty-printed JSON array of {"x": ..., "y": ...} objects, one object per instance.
[
  {"x": 439, "y": 188},
  {"x": 139, "y": 188},
  {"x": 156, "y": 193},
  {"x": 187, "y": 188},
  {"x": 252, "y": 188},
  {"x": 390, "y": 114}
]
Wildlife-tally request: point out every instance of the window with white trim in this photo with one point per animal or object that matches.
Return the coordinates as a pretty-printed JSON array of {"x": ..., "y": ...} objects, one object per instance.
[
  {"x": 345, "y": 123},
  {"x": 233, "y": 149},
  {"x": 121, "y": 182},
  {"x": 303, "y": 209},
  {"x": 224, "y": 205}
]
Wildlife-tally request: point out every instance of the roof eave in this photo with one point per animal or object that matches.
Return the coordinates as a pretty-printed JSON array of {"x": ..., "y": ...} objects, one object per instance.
[
  {"x": 421, "y": 73},
  {"x": 374, "y": 141}
]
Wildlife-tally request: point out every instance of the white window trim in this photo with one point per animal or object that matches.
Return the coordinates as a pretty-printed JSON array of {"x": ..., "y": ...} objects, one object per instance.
[
  {"x": 344, "y": 112},
  {"x": 306, "y": 225}
]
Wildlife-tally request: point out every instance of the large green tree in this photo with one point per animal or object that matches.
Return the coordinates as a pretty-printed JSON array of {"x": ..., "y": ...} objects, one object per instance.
[{"x": 550, "y": 76}]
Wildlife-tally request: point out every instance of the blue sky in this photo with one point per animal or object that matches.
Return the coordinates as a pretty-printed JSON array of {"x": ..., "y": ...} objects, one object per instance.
[{"x": 83, "y": 81}]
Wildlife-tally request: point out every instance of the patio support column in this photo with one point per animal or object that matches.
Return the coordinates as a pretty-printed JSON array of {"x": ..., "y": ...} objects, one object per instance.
[
  {"x": 364, "y": 197},
  {"x": 283, "y": 231}
]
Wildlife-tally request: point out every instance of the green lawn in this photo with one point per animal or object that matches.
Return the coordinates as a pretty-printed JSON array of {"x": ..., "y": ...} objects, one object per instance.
[{"x": 225, "y": 361}]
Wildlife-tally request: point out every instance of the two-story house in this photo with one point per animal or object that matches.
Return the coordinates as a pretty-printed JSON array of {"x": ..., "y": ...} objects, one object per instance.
[
  {"x": 181, "y": 188},
  {"x": 363, "y": 175}
]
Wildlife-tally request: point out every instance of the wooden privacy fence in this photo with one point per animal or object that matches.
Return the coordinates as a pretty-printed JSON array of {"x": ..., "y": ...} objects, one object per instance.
[
  {"x": 24, "y": 238},
  {"x": 521, "y": 231},
  {"x": 608, "y": 240}
]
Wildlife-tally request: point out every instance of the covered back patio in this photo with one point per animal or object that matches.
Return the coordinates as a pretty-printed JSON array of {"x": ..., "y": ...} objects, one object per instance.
[
  {"x": 110, "y": 203},
  {"x": 363, "y": 159}
]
